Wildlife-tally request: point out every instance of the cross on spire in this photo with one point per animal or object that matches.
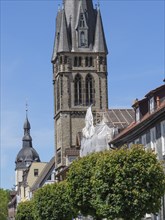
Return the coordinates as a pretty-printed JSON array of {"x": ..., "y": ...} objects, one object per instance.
[{"x": 26, "y": 109}]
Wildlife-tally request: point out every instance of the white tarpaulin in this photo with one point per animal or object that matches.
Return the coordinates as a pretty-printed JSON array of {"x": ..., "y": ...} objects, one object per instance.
[{"x": 95, "y": 138}]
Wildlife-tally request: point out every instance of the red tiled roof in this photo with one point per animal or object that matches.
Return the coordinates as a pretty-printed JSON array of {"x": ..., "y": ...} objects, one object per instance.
[{"x": 135, "y": 124}]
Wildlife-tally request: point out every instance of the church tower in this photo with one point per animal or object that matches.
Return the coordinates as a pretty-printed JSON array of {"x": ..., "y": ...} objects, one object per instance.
[
  {"x": 79, "y": 72},
  {"x": 26, "y": 156}
]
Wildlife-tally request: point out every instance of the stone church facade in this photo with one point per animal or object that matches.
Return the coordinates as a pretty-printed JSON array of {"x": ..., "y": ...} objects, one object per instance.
[{"x": 79, "y": 72}]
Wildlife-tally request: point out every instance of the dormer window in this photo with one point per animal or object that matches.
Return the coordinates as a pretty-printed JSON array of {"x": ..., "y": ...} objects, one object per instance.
[
  {"x": 151, "y": 103},
  {"x": 137, "y": 112}
]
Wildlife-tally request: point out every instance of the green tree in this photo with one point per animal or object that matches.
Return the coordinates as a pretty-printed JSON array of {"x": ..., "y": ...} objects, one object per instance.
[
  {"x": 127, "y": 184},
  {"x": 25, "y": 211},
  {"x": 52, "y": 203},
  {"x": 4, "y": 200},
  {"x": 124, "y": 183},
  {"x": 79, "y": 184}
]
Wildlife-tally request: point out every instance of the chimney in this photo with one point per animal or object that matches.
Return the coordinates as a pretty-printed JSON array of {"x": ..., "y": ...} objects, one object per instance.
[{"x": 157, "y": 101}]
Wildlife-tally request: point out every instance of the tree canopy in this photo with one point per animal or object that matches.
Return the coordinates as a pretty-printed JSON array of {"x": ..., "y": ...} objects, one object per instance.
[
  {"x": 52, "y": 203},
  {"x": 79, "y": 184},
  {"x": 4, "y": 199},
  {"x": 124, "y": 183},
  {"x": 25, "y": 211}
]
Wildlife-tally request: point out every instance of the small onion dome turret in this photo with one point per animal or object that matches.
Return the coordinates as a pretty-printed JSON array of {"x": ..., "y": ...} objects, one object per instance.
[{"x": 27, "y": 154}]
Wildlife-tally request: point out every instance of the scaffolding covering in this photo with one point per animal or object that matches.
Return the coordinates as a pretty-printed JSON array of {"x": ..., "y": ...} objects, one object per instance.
[{"x": 95, "y": 138}]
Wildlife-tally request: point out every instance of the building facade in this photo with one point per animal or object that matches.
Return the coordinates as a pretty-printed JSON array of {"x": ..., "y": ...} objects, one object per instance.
[
  {"x": 147, "y": 129},
  {"x": 79, "y": 72}
]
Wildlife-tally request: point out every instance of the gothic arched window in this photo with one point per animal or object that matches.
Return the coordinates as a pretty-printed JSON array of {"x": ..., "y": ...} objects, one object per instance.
[
  {"x": 78, "y": 90},
  {"x": 89, "y": 90}
]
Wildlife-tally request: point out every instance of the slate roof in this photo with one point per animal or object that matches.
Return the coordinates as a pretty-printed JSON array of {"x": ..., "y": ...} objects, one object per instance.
[
  {"x": 66, "y": 28},
  {"x": 120, "y": 118},
  {"x": 63, "y": 36},
  {"x": 27, "y": 154},
  {"x": 100, "y": 42},
  {"x": 136, "y": 126},
  {"x": 146, "y": 119}
]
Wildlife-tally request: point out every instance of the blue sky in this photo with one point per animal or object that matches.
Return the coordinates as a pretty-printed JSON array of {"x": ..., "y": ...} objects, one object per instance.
[{"x": 135, "y": 37}]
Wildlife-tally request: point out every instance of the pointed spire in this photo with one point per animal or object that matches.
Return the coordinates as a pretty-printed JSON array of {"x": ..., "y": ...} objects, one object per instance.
[
  {"x": 63, "y": 35},
  {"x": 100, "y": 42},
  {"x": 26, "y": 123},
  {"x": 72, "y": 8},
  {"x": 27, "y": 154},
  {"x": 27, "y": 138}
]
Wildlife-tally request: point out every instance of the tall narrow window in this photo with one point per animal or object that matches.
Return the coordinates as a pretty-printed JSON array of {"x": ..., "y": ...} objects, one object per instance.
[
  {"x": 89, "y": 90},
  {"x": 153, "y": 138},
  {"x": 91, "y": 61},
  {"x": 65, "y": 60},
  {"x": 75, "y": 61},
  {"x": 151, "y": 104},
  {"x": 60, "y": 60},
  {"x": 78, "y": 90},
  {"x": 101, "y": 60},
  {"x": 82, "y": 38},
  {"x": 163, "y": 136},
  {"x": 86, "y": 61},
  {"x": 144, "y": 140},
  {"x": 79, "y": 61},
  {"x": 58, "y": 94}
]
